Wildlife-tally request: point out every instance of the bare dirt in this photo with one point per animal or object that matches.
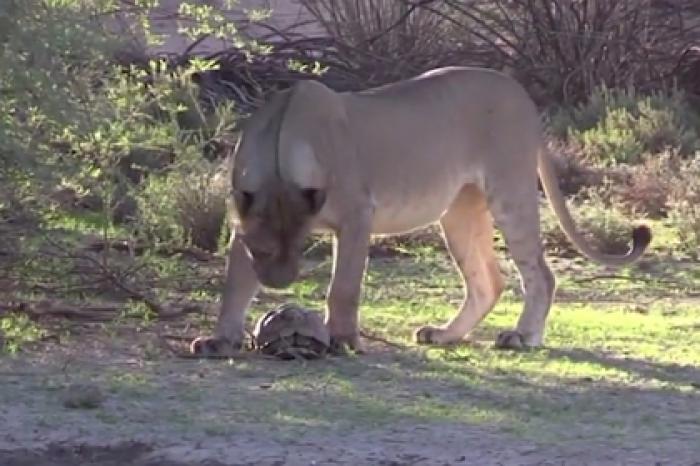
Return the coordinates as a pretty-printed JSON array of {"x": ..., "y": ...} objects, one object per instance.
[
  {"x": 162, "y": 410},
  {"x": 145, "y": 406}
]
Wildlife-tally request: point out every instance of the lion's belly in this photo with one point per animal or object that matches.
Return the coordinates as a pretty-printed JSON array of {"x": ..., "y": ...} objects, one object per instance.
[
  {"x": 397, "y": 220},
  {"x": 396, "y": 214}
]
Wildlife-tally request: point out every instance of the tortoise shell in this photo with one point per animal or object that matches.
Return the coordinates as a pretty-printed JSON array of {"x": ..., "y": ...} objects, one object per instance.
[{"x": 291, "y": 331}]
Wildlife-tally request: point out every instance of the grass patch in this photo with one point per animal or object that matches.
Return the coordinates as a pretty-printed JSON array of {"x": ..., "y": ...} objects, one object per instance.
[
  {"x": 620, "y": 362},
  {"x": 616, "y": 353},
  {"x": 16, "y": 330}
]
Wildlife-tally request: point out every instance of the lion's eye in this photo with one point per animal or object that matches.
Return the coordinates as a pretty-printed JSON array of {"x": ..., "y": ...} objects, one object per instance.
[
  {"x": 244, "y": 201},
  {"x": 315, "y": 198},
  {"x": 261, "y": 255}
]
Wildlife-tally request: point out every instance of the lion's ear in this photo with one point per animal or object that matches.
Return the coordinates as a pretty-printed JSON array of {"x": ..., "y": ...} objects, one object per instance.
[{"x": 315, "y": 198}]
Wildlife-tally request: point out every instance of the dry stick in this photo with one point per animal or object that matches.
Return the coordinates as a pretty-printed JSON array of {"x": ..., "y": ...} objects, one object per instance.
[
  {"x": 623, "y": 277},
  {"x": 402, "y": 19},
  {"x": 171, "y": 336},
  {"x": 98, "y": 313},
  {"x": 95, "y": 312},
  {"x": 270, "y": 68},
  {"x": 109, "y": 274},
  {"x": 184, "y": 56},
  {"x": 374, "y": 337},
  {"x": 120, "y": 245},
  {"x": 286, "y": 33},
  {"x": 119, "y": 283},
  {"x": 47, "y": 288},
  {"x": 604, "y": 277}
]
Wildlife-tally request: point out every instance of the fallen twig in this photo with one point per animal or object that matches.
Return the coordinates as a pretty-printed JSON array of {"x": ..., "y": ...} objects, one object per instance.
[
  {"x": 374, "y": 337},
  {"x": 606, "y": 277},
  {"x": 103, "y": 312},
  {"x": 96, "y": 312},
  {"x": 122, "y": 245}
]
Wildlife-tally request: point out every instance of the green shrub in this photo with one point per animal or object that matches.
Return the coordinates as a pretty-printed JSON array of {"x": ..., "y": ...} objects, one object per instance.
[
  {"x": 16, "y": 330},
  {"x": 620, "y": 126},
  {"x": 685, "y": 217},
  {"x": 684, "y": 206},
  {"x": 608, "y": 229},
  {"x": 662, "y": 183},
  {"x": 574, "y": 172},
  {"x": 645, "y": 188},
  {"x": 75, "y": 125},
  {"x": 185, "y": 206}
]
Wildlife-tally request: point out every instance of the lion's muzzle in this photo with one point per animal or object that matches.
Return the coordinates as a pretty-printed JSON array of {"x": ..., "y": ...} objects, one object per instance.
[{"x": 277, "y": 274}]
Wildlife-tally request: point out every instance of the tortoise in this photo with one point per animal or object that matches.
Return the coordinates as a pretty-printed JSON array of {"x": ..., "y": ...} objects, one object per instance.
[{"x": 291, "y": 332}]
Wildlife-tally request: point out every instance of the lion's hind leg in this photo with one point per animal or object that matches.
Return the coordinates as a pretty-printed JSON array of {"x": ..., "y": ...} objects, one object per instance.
[
  {"x": 517, "y": 216},
  {"x": 468, "y": 231}
]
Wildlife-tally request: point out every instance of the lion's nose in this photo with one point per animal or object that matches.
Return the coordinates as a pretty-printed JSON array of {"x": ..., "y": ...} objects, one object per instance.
[
  {"x": 277, "y": 276},
  {"x": 263, "y": 253}
]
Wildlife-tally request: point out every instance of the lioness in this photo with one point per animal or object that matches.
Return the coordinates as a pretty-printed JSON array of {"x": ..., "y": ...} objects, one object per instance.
[{"x": 462, "y": 146}]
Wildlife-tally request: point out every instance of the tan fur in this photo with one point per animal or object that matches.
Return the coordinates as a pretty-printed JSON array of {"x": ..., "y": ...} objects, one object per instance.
[{"x": 458, "y": 146}]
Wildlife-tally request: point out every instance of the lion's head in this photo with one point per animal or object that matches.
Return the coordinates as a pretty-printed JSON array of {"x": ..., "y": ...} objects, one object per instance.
[
  {"x": 273, "y": 226},
  {"x": 278, "y": 189}
]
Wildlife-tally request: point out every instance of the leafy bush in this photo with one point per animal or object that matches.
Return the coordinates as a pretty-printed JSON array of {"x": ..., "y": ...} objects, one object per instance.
[
  {"x": 186, "y": 205},
  {"x": 17, "y": 330},
  {"x": 685, "y": 218},
  {"x": 574, "y": 172},
  {"x": 71, "y": 116},
  {"x": 684, "y": 206},
  {"x": 607, "y": 228},
  {"x": 620, "y": 126},
  {"x": 77, "y": 124},
  {"x": 645, "y": 188}
]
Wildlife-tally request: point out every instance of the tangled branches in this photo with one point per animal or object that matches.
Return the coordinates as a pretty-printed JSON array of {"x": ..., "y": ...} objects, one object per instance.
[
  {"x": 562, "y": 49},
  {"x": 559, "y": 49}
]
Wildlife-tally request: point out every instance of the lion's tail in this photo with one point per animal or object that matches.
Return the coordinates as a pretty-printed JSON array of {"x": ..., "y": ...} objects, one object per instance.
[{"x": 641, "y": 235}]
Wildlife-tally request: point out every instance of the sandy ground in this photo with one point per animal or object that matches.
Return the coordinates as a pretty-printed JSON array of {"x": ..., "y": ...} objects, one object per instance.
[
  {"x": 175, "y": 421},
  {"x": 30, "y": 445}
]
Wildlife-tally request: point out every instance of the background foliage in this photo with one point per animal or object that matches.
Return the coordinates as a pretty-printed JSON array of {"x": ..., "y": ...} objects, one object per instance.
[{"x": 111, "y": 174}]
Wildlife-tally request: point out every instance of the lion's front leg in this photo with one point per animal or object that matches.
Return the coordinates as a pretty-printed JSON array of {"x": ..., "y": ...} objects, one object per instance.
[
  {"x": 350, "y": 251},
  {"x": 240, "y": 288}
]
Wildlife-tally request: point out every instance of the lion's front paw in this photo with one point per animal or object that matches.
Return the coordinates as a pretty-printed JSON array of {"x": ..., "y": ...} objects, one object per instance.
[
  {"x": 429, "y": 335},
  {"x": 214, "y": 347},
  {"x": 343, "y": 344},
  {"x": 514, "y": 340}
]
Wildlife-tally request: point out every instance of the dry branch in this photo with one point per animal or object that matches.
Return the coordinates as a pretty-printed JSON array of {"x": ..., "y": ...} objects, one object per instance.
[
  {"x": 99, "y": 245},
  {"x": 99, "y": 269},
  {"x": 89, "y": 313},
  {"x": 559, "y": 49},
  {"x": 102, "y": 312},
  {"x": 562, "y": 49}
]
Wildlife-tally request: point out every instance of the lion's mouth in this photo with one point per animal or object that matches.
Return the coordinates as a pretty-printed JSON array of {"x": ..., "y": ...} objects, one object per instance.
[{"x": 277, "y": 276}]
